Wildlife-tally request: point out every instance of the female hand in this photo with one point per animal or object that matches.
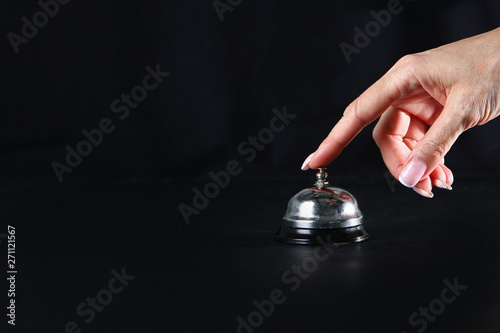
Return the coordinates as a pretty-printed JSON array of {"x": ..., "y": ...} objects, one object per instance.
[{"x": 425, "y": 101}]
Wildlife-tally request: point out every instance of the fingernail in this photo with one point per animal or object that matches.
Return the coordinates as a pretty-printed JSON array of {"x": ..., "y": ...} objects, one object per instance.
[
  {"x": 413, "y": 172},
  {"x": 452, "y": 179},
  {"x": 440, "y": 184},
  {"x": 305, "y": 165},
  {"x": 423, "y": 193}
]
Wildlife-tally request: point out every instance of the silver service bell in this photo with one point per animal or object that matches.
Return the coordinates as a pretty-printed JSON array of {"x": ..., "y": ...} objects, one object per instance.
[{"x": 321, "y": 211}]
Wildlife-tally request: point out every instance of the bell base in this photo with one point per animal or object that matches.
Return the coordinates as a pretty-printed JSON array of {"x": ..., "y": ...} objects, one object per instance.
[{"x": 310, "y": 236}]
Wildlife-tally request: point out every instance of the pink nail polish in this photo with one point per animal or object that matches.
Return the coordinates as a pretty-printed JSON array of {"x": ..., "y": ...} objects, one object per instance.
[
  {"x": 413, "y": 172},
  {"x": 305, "y": 165}
]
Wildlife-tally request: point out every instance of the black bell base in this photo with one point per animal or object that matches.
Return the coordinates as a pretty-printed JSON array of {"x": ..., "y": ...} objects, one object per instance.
[{"x": 310, "y": 236}]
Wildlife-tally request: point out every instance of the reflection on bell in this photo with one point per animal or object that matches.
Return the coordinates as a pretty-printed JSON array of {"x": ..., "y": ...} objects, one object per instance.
[{"x": 322, "y": 211}]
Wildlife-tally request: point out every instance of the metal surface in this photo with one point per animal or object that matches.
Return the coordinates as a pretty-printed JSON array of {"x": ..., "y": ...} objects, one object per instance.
[
  {"x": 302, "y": 236},
  {"x": 321, "y": 211}
]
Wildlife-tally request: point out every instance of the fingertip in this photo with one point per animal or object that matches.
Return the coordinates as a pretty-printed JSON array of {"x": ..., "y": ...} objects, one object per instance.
[
  {"x": 305, "y": 165},
  {"x": 424, "y": 188},
  {"x": 319, "y": 159},
  {"x": 423, "y": 193},
  {"x": 440, "y": 184},
  {"x": 449, "y": 175},
  {"x": 439, "y": 177}
]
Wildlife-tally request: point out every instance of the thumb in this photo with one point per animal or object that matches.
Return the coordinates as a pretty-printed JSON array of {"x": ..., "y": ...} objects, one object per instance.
[{"x": 433, "y": 146}]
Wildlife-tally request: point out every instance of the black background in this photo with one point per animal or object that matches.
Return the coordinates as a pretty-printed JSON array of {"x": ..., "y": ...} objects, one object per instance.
[{"x": 225, "y": 78}]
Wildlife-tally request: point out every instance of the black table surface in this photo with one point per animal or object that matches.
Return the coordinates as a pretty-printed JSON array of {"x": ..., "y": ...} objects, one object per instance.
[{"x": 203, "y": 276}]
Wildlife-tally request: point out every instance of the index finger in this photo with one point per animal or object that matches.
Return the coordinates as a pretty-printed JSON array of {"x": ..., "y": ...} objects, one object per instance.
[{"x": 364, "y": 110}]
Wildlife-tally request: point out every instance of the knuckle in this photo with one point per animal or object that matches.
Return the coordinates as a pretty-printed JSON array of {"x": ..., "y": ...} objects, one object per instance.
[
  {"x": 354, "y": 111},
  {"x": 410, "y": 65},
  {"x": 466, "y": 112},
  {"x": 434, "y": 149},
  {"x": 478, "y": 109},
  {"x": 409, "y": 60},
  {"x": 470, "y": 119},
  {"x": 351, "y": 107}
]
